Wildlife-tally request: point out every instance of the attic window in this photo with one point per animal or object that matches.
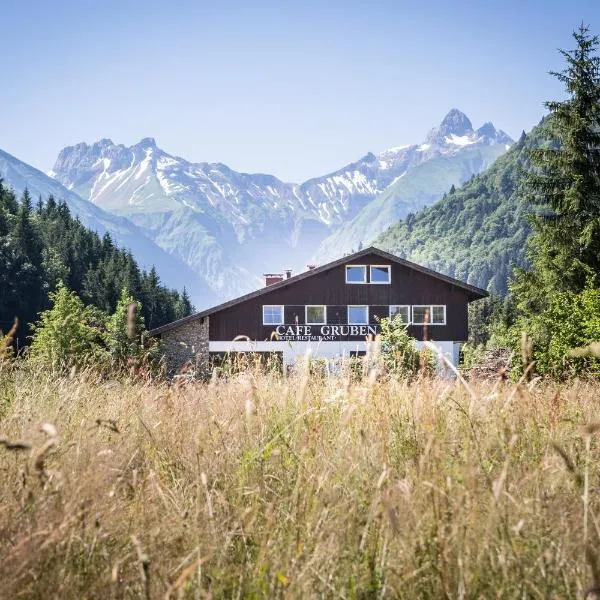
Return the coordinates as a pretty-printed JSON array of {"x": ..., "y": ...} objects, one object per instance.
[
  {"x": 380, "y": 274},
  {"x": 356, "y": 274}
]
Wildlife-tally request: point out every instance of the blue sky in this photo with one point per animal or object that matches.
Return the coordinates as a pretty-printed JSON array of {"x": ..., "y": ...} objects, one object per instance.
[{"x": 296, "y": 89}]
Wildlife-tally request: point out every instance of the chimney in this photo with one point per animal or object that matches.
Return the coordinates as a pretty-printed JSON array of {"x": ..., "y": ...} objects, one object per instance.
[
  {"x": 271, "y": 278},
  {"x": 311, "y": 267},
  {"x": 288, "y": 273}
]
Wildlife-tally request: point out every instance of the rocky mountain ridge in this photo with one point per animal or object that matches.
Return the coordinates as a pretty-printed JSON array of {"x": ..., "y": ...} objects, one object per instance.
[
  {"x": 230, "y": 226},
  {"x": 174, "y": 273}
]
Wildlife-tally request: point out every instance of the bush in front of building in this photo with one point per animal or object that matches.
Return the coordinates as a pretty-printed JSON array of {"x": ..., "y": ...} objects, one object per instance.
[
  {"x": 70, "y": 335},
  {"x": 227, "y": 364},
  {"x": 67, "y": 335},
  {"x": 558, "y": 335},
  {"x": 399, "y": 352}
]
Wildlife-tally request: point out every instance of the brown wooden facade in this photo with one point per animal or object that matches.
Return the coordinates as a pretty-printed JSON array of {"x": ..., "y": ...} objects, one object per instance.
[
  {"x": 407, "y": 287},
  {"x": 410, "y": 285}
]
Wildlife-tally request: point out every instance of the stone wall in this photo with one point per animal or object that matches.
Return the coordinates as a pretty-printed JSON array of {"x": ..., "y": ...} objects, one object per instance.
[{"x": 187, "y": 344}]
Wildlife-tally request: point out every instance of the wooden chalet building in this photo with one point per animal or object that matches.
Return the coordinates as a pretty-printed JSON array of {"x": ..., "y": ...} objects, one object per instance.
[{"x": 330, "y": 309}]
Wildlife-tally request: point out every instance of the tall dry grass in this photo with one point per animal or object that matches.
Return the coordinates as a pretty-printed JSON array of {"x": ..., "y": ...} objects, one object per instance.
[{"x": 265, "y": 487}]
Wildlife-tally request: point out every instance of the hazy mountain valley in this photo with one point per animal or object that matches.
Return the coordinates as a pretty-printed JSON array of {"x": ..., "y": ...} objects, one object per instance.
[{"x": 225, "y": 228}]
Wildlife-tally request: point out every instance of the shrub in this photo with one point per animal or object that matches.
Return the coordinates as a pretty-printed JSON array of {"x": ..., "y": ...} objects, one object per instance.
[
  {"x": 124, "y": 329},
  {"x": 472, "y": 354},
  {"x": 398, "y": 350},
  {"x": 570, "y": 320},
  {"x": 68, "y": 334}
]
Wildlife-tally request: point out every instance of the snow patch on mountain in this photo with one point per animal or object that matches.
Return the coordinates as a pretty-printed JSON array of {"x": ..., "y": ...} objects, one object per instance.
[
  {"x": 398, "y": 178},
  {"x": 460, "y": 140},
  {"x": 209, "y": 215},
  {"x": 396, "y": 149},
  {"x": 173, "y": 271}
]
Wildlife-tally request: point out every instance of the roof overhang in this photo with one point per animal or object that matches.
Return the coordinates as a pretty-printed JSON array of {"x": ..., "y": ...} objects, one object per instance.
[{"x": 473, "y": 293}]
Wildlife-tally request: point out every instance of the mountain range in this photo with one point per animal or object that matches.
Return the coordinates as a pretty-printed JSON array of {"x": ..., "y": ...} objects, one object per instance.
[
  {"x": 478, "y": 232},
  {"x": 451, "y": 154},
  {"x": 173, "y": 273},
  {"x": 221, "y": 229}
]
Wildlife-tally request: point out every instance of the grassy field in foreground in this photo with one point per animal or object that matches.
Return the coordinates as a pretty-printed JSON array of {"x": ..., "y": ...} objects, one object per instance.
[{"x": 264, "y": 487}]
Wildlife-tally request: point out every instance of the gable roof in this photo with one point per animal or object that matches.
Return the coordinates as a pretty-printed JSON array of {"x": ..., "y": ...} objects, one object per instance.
[{"x": 474, "y": 293}]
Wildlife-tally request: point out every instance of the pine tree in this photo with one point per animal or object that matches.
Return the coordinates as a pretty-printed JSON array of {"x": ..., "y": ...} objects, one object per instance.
[
  {"x": 25, "y": 233},
  {"x": 150, "y": 287},
  {"x": 23, "y": 270},
  {"x": 51, "y": 204},
  {"x": 26, "y": 201},
  {"x": 564, "y": 182},
  {"x": 184, "y": 306}
]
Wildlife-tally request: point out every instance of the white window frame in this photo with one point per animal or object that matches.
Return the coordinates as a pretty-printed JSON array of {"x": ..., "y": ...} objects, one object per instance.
[
  {"x": 430, "y": 307},
  {"x": 281, "y": 306},
  {"x": 356, "y": 282},
  {"x": 323, "y": 306},
  {"x": 388, "y": 267},
  {"x": 407, "y": 306},
  {"x": 444, "y": 307},
  {"x": 356, "y": 306}
]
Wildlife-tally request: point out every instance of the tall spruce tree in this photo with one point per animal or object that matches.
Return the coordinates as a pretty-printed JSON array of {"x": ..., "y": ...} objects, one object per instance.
[
  {"x": 563, "y": 183},
  {"x": 557, "y": 300}
]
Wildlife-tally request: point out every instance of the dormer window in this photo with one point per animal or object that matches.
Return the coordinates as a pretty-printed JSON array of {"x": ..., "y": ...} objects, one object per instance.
[
  {"x": 356, "y": 274},
  {"x": 377, "y": 274},
  {"x": 380, "y": 274}
]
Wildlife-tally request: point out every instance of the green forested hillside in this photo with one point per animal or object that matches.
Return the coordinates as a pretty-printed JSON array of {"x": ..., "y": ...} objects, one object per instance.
[
  {"x": 421, "y": 186},
  {"x": 42, "y": 245},
  {"x": 477, "y": 232}
]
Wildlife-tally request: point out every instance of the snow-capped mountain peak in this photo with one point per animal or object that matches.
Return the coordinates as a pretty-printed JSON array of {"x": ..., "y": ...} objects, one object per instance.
[
  {"x": 205, "y": 211},
  {"x": 408, "y": 178},
  {"x": 455, "y": 123},
  {"x": 456, "y": 131}
]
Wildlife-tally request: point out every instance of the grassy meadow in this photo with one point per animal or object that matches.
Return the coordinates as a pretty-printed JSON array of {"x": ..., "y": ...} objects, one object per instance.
[{"x": 259, "y": 486}]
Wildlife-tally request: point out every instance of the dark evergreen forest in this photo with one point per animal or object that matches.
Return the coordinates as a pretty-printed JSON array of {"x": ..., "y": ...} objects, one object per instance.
[{"x": 44, "y": 244}]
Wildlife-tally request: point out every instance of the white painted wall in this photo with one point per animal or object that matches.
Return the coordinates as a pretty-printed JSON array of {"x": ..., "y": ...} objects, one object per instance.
[{"x": 292, "y": 350}]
